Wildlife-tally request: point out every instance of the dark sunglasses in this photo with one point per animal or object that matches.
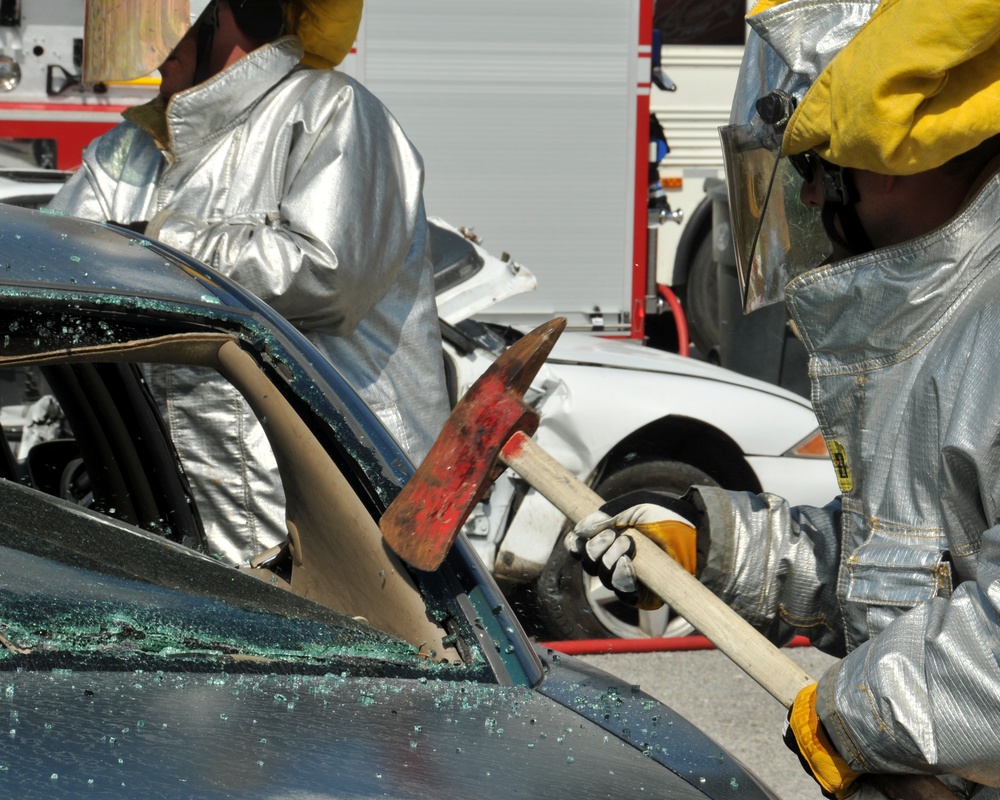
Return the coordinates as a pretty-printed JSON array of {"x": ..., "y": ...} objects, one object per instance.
[
  {"x": 837, "y": 188},
  {"x": 807, "y": 164}
]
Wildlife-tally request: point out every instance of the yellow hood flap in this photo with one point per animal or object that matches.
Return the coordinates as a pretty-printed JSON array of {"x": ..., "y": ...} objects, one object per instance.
[
  {"x": 327, "y": 28},
  {"x": 917, "y": 86}
]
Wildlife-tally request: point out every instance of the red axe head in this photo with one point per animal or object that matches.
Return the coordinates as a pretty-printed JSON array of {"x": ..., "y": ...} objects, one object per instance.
[{"x": 424, "y": 519}]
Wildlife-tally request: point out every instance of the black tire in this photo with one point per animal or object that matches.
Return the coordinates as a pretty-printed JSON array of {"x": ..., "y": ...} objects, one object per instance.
[
  {"x": 572, "y": 605},
  {"x": 701, "y": 295}
]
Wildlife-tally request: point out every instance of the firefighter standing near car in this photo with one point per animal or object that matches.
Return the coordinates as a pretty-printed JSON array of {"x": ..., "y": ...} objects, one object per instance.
[
  {"x": 863, "y": 166},
  {"x": 289, "y": 177}
]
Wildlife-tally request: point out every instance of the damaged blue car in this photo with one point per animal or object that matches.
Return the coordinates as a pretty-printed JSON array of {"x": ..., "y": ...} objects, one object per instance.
[{"x": 133, "y": 663}]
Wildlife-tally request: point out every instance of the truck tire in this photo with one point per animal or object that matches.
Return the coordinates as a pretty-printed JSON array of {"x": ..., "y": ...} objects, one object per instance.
[
  {"x": 701, "y": 294},
  {"x": 573, "y": 605}
]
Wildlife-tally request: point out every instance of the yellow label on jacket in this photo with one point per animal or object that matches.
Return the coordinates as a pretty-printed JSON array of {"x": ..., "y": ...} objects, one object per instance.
[{"x": 839, "y": 457}]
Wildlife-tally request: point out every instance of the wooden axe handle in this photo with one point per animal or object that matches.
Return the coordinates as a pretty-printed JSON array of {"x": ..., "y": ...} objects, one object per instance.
[{"x": 781, "y": 677}]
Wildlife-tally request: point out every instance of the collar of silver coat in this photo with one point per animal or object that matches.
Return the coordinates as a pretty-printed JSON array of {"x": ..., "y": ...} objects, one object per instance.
[
  {"x": 790, "y": 45},
  {"x": 209, "y": 108},
  {"x": 856, "y": 312}
]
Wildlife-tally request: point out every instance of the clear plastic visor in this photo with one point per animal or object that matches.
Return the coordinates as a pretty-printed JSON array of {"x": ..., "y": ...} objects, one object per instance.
[
  {"x": 127, "y": 39},
  {"x": 777, "y": 236}
]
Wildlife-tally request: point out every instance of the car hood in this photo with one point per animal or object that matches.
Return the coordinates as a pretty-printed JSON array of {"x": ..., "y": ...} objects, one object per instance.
[
  {"x": 661, "y": 734},
  {"x": 588, "y": 349},
  {"x": 267, "y": 735}
]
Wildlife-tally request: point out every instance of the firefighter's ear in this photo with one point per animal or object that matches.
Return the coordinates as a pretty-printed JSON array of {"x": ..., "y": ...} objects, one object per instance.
[{"x": 874, "y": 184}]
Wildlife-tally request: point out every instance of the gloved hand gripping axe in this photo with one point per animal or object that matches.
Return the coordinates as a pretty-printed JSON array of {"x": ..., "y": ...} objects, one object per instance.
[{"x": 490, "y": 429}]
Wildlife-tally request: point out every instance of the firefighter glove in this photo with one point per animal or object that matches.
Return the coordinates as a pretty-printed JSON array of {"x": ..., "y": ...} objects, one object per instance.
[
  {"x": 807, "y": 738},
  {"x": 598, "y": 542}
]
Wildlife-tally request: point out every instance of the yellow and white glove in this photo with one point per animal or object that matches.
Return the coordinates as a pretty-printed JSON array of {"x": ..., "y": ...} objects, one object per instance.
[
  {"x": 597, "y": 542},
  {"x": 806, "y": 737}
]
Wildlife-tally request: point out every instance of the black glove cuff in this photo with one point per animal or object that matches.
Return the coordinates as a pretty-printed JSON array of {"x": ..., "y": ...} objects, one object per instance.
[{"x": 684, "y": 508}]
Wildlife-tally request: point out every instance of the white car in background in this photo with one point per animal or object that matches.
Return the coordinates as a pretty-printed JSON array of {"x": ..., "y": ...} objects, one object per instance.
[{"x": 622, "y": 417}]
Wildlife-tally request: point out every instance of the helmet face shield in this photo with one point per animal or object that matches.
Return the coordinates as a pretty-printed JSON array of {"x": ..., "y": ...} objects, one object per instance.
[
  {"x": 776, "y": 236},
  {"x": 127, "y": 39}
]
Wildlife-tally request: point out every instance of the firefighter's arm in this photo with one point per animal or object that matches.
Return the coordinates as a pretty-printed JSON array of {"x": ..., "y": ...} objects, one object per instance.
[
  {"x": 81, "y": 196},
  {"x": 97, "y": 191}
]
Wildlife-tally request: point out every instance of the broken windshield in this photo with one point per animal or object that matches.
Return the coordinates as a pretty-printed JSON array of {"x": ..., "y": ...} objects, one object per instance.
[
  {"x": 82, "y": 591},
  {"x": 69, "y": 611}
]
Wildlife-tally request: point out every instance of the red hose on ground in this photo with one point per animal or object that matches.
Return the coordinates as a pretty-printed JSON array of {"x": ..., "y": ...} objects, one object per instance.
[
  {"x": 683, "y": 338},
  {"x": 593, "y": 647}
]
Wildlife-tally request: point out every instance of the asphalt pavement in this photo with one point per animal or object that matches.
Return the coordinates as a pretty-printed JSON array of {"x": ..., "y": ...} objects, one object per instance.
[{"x": 710, "y": 691}]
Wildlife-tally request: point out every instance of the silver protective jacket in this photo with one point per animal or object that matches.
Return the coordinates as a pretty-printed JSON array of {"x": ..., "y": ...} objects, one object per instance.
[
  {"x": 901, "y": 575},
  {"x": 301, "y": 186}
]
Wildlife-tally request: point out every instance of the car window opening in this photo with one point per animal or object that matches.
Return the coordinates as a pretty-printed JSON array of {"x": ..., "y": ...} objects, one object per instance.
[
  {"x": 103, "y": 589},
  {"x": 334, "y": 553}
]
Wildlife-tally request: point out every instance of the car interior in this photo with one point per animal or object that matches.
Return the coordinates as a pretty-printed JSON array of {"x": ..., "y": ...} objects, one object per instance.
[{"x": 113, "y": 457}]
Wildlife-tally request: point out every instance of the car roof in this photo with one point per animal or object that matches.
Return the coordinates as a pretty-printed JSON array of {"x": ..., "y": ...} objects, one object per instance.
[{"x": 45, "y": 248}]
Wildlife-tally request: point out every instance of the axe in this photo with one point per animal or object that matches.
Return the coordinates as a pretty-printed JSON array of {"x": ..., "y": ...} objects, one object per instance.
[{"x": 489, "y": 430}]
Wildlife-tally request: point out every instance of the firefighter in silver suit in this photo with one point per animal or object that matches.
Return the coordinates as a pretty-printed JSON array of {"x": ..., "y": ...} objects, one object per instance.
[
  {"x": 291, "y": 178},
  {"x": 862, "y": 162}
]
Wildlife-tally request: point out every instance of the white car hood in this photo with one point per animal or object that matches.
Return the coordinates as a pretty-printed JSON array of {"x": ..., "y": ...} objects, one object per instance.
[{"x": 587, "y": 348}]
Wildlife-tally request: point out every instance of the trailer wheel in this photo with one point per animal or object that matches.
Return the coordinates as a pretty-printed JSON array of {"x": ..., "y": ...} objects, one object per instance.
[{"x": 573, "y": 605}]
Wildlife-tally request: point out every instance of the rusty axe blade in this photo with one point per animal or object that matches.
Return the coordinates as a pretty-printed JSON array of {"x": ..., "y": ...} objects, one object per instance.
[{"x": 424, "y": 519}]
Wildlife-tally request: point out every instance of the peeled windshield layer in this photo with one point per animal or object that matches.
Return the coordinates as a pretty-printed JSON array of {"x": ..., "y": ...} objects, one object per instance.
[
  {"x": 81, "y": 591},
  {"x": 68, "y": 611}
]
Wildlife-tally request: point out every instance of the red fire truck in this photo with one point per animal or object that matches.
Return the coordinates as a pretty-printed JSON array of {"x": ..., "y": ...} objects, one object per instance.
[{"x": 46, "y": 115}]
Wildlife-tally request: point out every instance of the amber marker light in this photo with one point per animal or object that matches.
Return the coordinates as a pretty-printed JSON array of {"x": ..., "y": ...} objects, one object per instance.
[{"x": 813, "y": 446}]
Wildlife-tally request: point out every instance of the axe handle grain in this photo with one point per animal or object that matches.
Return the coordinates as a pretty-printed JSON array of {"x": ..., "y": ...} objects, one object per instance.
[{"x": 776, "y": 673}]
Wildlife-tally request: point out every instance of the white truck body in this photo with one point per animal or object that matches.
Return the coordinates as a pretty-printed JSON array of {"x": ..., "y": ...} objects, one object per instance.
[
  {"x": 533, "y": 119},
  {"x": 527, "y": 115},
  {"x": 705, "y": 76}
]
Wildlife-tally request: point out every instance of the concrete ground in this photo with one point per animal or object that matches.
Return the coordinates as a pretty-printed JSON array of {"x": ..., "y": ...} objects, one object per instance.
[{"x": 709, "y": 690}]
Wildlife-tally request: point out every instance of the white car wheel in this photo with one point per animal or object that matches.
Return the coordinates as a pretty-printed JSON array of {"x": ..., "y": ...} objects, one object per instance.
[
  {"x": 573, "y": 605},
  {"x": 611, "y": 613}
]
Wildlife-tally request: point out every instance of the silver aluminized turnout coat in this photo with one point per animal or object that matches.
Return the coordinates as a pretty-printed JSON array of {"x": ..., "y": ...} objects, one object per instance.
[
  {"x": 300, "y": 185},
  {"x": 902, "y": 574}
]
